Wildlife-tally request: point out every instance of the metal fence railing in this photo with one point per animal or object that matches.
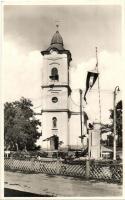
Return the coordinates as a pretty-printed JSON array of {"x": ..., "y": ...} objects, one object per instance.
[{"x": 87, "y": 169}]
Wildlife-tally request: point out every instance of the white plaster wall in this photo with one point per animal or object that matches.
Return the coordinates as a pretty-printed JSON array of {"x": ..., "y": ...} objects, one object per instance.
[
  {"x": 74, "y": 129},
  {"x": 48, "y": 94},
  {"x": 60, "y": 62},
  {"x": 70, "y": 136},
  {"x": 62, "y": 127}
]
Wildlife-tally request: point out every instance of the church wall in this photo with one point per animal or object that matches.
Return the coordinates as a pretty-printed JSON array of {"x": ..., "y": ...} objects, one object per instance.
[
  {"x": 47, "y": 98},
  {"x": 58, "y": 61},
  {"x": 56, "y": 102},
  {"x": 75, "y": 131},
  {"x": 61, "y": 130}
]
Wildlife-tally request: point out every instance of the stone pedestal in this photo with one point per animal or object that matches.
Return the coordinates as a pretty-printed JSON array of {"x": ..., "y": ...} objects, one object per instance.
[{"x": 94, "y": 142}]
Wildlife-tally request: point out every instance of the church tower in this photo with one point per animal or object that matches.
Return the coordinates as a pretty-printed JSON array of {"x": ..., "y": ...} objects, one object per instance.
[{"x": 55, "y": 94}]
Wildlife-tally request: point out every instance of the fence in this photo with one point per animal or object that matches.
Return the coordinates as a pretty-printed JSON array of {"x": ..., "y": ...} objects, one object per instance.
[{"x": 86, "y": 169}]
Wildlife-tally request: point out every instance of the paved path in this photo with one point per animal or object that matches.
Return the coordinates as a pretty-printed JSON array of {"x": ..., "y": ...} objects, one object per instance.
[{"x": 49, "y": 185}]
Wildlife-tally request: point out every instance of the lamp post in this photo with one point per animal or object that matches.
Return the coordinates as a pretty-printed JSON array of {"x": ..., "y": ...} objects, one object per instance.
[{"x": 114, "y": 122}]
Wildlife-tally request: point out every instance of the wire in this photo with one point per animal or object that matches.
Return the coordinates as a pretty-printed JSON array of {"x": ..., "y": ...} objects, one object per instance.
[
  {"x": 102, "y": 90},
  {"x": 92, "y": 90},
  {"x": 74, "y": 102},
  {"x": 35, "y": 99},
  {"x": 38, "y": 107},
  {"x": 75, "y": 113}
]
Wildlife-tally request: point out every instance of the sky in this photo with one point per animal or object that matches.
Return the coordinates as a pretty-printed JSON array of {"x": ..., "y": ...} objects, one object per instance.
[{"x": 28, "y": 29}]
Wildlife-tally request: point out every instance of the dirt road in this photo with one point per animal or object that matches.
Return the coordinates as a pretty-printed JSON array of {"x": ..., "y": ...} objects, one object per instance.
[{"x": 49, "y": 185}]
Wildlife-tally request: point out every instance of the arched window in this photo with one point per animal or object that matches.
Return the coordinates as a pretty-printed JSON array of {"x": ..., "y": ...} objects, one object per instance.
[
  {"x": 54, "y": 74},
  {"x": 54, "y": 121}
]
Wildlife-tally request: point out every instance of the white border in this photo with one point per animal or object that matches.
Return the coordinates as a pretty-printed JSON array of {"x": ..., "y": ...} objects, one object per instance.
[
  {"x": 55, "y": 2},
  {"x": 63, "y": 2},
  {"x": 1, "y": 106}
]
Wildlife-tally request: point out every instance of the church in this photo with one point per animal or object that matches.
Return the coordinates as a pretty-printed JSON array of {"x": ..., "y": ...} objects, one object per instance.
[{"x": 57, "y": 125}]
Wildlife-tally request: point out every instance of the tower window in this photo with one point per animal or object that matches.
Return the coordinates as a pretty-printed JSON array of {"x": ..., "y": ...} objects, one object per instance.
[
  {"x": 54, "y": 99},
  {"x": 54, "y": 74},
  {"x": 54, "y": 121}
]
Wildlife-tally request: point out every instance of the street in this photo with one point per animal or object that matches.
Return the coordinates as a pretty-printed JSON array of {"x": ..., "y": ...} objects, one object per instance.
[{"x": 60, "y": 186}]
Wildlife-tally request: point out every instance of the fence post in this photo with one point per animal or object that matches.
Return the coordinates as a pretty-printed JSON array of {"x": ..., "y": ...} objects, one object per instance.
[{"x": 87, "y": 168}]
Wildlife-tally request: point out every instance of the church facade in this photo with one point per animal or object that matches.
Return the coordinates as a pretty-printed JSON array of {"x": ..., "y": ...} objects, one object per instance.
[
  {"x": 55, "y": 94},
  {"x": 61, "y": 129}
]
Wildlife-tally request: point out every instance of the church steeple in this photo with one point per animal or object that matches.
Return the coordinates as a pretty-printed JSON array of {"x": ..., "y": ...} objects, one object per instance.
[
  {"x": 57, "y": 45},
  {"x": 56, "y": 91},
  {"x": 57, "y": 39},
  {"x": 56, "y": 42}
]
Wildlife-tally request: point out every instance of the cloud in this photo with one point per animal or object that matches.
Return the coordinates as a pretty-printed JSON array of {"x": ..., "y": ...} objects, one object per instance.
[
  {"x": 22, "y": 77},
  {"x": 22, "y": 72},
  {"x": 110, "y": 69},
  {"x": 111, "y": 75}
]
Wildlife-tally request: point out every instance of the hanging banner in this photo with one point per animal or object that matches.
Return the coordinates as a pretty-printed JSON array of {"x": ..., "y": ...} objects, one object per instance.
[{"x": 90, "y": 80}]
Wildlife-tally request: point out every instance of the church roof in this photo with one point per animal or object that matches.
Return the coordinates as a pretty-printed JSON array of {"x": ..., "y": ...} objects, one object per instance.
[
  {"x": 57, "y": 38},
  {"x": 57, "y": 44}
]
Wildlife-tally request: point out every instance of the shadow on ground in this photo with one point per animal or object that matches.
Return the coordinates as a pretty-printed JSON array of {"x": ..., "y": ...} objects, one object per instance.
[{"x": 16, "y": 193}]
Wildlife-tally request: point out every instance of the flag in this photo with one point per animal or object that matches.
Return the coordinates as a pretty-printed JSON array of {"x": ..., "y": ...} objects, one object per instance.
[{"x": 90, "y": 80}]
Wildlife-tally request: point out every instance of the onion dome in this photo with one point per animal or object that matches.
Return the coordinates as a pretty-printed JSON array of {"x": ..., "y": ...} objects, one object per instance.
[
  {"x": 57, "y": 45},
  {"x": 56, "y": 42},
  {"x": 57, "y": 39}
]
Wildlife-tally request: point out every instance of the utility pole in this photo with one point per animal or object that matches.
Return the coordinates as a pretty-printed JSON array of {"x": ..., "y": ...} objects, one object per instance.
[
  {"x": 114, "y": 122},
  {"x": 97, "y": 68},
  {"x": 81, "y": 116}
]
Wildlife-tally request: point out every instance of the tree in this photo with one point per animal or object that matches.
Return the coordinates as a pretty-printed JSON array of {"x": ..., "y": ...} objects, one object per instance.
[
  {"x": 20, "y": 126},
  {"x": 118, "y": 122}
]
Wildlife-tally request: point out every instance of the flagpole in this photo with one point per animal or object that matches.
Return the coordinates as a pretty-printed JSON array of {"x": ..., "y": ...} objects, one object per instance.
[
  {"x": 99, "y": 95},
  {"x": 81, "y": 116}
]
